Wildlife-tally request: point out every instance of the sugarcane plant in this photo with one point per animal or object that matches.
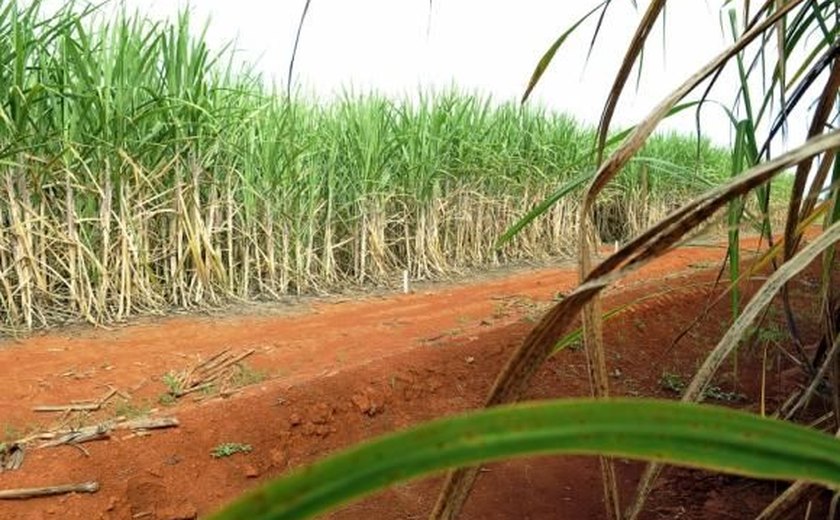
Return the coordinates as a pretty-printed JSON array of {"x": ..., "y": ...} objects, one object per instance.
[
  {"x": 787, "y": 55},
  {"x": 142, "y": 171}
]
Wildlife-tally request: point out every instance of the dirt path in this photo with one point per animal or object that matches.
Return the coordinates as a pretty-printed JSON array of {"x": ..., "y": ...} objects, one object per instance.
[
  {"x": 331, "y": 336},
  {"x": 338, "y": 373}
]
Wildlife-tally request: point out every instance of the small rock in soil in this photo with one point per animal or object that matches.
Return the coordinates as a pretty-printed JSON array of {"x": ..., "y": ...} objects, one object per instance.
[
  {"x": 251, "y": 471},
  {"x": 279, "y": 458},
  {"x": 368, "y": 402},
  {"x": 321, "y": 413}
]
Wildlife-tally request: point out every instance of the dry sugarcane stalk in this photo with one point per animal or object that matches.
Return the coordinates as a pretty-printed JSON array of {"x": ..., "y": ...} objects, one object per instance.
[
  {"x": 183, "y": 380},
  {"x": 203, "y": 374},
  {"x": 105, "y": 223},
  {"x": 212, "y": 362},
  {"x": 84, "y": 487},
  {"x": 18, "y": 252},
  {"x": 195, "y": 375},
  {"x": 212, "y": 246},
  {"x": 79, "y": 407},
  {"x": 229, "y": 208},
  {"x": 199, "y": 277},
  {"x": 70, "y": 214},
  {"x": 86, "y": 434},
  {"x": 124, "y": 259},
  {"x": 197, "y": 388},
  {"x": 28, "y": 213},
  {"x": 103, "y": 430},
  {"x": 85, "y": 406},
  {"x": 176, "y": 245},
  {"x": 148, "y": 423},
  {"x": 217, "y": 371},
  {"x": 11, "y": 456},
  {"x": 816, "y": 380}
]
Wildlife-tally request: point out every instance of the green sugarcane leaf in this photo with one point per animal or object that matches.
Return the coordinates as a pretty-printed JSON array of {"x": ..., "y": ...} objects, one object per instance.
[{"x": 692, "y": 435}]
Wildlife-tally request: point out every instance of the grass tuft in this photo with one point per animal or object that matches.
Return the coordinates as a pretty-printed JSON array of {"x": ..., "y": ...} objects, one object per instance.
[{"x": 227, "y": 449}]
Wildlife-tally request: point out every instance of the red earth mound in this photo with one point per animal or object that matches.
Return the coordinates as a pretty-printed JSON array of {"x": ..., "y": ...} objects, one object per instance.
[{"x": 337, "y": 372}]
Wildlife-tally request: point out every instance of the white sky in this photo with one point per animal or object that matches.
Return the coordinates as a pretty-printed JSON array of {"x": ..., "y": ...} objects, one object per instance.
[{"x": 484, "y": 46}]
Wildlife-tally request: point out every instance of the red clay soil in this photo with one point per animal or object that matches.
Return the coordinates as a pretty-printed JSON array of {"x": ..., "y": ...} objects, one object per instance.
[{"x": 340, "y": 371}]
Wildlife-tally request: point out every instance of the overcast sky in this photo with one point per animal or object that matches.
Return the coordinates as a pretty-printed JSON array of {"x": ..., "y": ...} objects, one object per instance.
[{"x": 485, "y": 46}]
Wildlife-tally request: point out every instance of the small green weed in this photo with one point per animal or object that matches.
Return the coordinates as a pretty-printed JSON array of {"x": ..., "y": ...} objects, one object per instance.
[
  {"x": 247, "y": 375},
  {"x": 770, "y": 334},
  {"x": 226, "y": 449},
  {"x": 167, "y": 399},
  {"x": 672, "y": 382},
  {"x": 576, "y": 346},
  {"x": 716, "y": 393},
  {"x": 11, "y": 433},
  {"x": 676, "y": 384},
  {"x": 131, "y": 410},
  {"x": 173, "y": 384}
]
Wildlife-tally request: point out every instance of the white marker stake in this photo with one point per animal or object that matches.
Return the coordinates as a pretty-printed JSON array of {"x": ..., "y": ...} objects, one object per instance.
[{"x": 405, "y": 281}]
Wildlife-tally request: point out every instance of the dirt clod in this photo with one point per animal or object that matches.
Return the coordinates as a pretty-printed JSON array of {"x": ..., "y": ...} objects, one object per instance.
[
  {"x": 368, "y": 402},
  {"x": 250, "y": 471},
  {"x": 321, "y": 413}
]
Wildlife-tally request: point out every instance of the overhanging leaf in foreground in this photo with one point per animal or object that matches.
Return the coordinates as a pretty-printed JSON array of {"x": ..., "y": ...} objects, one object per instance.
[
  {"x": 727, "y": 344},
  {"x": 680, "y": 433}
]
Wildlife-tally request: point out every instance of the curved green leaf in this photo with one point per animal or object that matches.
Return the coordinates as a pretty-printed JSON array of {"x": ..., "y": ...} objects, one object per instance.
[
  {"x": 549, "y": 54},
  {"x": 686, "y": 434},
  {"x": 570, "y": 186}
]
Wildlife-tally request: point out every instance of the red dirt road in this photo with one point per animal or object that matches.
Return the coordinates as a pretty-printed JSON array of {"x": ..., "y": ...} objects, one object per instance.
[{"x": 342, "y": 371}]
